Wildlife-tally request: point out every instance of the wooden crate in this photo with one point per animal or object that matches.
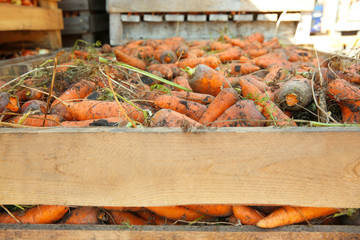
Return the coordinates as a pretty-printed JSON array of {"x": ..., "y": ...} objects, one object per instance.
[
  {"x": 31, "y": 27},
  {"x": 90, "y": 24},
  {"x": 159, "y": 19}
]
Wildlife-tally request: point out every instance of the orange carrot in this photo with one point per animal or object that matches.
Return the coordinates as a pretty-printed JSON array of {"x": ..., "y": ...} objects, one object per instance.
[
  {"x": 211, "y": 210},
  {"x": 243, "y": 113},
  {"x": 272, "y": 44},
  {"x": 191, "y": 109},
  {"x": 257, "y": 36},
  {"x": 133, "y": 61},
  {"x": 165, "y": 56},
  {"x": 76, "y": 91},
  {"x": 269, "y": 109},
  {"x": 289, "y": 215},
  {"x": 295, "y": 94},
  {"x": 170, "y": 118},
  {"x": 196, "y": 52},
  {"x": 176, "y": 213},
  {"x": 92, "y": 109},
  {"x": 253, "y": 53},
  {"x": 123, "y": 217},
  {"x": 182, "y": 81},
  {"x": 41, "y": 214},
  {"x": 82, "y": 215},
  {"x": 348, "y": 97},
  {"x": 195, "y": 97},
  {"x": 164, "y": 70},
  {"x": 218, "y": 46},
  {"x": 233, "y": 53},
  {"x": 247, "y": 215},
  {"x": 38, "y": 120},
  {"x": 237, "y": 69},
  {"x": 28, "y": 94},
  {"x": 110, "y": 122},
  {"x": 207, "y": 80},
  {"x": 8, "y": 102},
  {"x": 142, "y": 52},
  {"x": 182, "y": 51},
  {"x": 33, "y": 105},
  {"x": 211, "y": 61},
  {"x": 225, "y": 99},
  {"x": 238, "y": 42},
  {"x": 152, "y": 218},
  {"x": 130, "y": 209}
]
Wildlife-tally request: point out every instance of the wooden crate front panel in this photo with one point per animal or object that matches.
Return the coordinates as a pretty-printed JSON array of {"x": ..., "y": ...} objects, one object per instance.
[{"x": 150, "y": 167}]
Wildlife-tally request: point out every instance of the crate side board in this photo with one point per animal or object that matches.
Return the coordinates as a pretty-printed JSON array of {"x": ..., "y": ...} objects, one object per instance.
[
  {"x": 16, "y": 231},
  {"x": 151, "y": 167},
  {"x": 115, "y": 6}
]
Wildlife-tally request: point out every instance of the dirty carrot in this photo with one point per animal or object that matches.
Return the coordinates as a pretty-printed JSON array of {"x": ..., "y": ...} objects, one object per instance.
[
  {"x": 41, "y": 214},
  {"x": 247, "y": 215},
  {"x": 182, "y": 81},
  {"x": 233, "y": 53},
  {"x": 37, "y": 120},
  {"x": 225, "y": 99},
  {"x": 82, "y": 215},
  {"x": 176, "y": 213},
  {"x": 238, "y": 42},
  {"x": 29, "y": 94},
  {"x": 289, "y": 215},
  {"x": 133, "y": 61},
  {"x": 33, "y": 105},
  {"x": 109, "y": 122},
  {"x": 253, "y": 53},
  {"x": 165, "y": 56},
  {"x": 170, "y": 118},
  {"x": 243, "y": 113},
  {"x": 8, "y": 102},
  {"x": 237, "y": 69},
  {"x": 257, "y": 36},
  {"x": 164, "y": 70},
  {"x": 206, "y": 80},
  {"x": 211, "y": 210},
  {"x": 211, "y": 61},
  {"x": 125, "y": 218},
  {"x": 191, "y": 109},
  {"x": 195, "y": 97},
  {"x": 295, "y": 94},
  {"x": 131, "y": 209},
  {"x": 153, "y": 218}
]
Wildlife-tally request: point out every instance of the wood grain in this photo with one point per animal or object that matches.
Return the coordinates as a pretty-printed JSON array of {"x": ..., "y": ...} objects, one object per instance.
[
  {"x": 59, "y": 232},
  {"x": 116, "y": 6},
  {"x": 151, "y": 167},
  {"x": 14, "y": 17}
]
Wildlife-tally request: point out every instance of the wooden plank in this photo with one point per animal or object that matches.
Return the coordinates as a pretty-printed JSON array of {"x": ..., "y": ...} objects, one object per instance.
[
  {"x": 218, "y": 17},
  {"x": 174, "y": 17},
  {"x": 196, "y": 18},
  {"x": 243, "y": 17},
  {"x": 30, "y": 39},
  {"x": 271, "y": 17},
  {"x": 119, "y": 6},
  {"x": 82, "y": 5},
  {"x": 151, "y": 167},
  {"x": 76, "y": 25},
  {"x": 130, "y": 18},
  {"x": 40, "y": 232},
  {"x": 116, "y": 29},
  {"x": 14, "y": 17}
]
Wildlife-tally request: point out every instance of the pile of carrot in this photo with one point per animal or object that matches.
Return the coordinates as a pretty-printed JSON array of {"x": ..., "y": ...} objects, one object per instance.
[
  {"x": 263, "y": 217},
  {"x": 248, "y": 82}
]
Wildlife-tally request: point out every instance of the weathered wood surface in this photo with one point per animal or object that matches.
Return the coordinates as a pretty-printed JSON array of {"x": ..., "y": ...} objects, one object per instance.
[
  {"x": 66, "y": 232},
  {"x": 14, "y": 17},
  {"x": 118, "y": 6},
  {"x": 150, "y": 167},
  {"x": 86, "y": 24},
  {"x": 81, "y": 5}
]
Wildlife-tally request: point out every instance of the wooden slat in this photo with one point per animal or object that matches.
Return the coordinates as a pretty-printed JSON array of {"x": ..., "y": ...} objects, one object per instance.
[
  {"x": 150, "y": 167},
  {"x": 116, "y": 6},
  {"x": 14, "y": 17},
  {"x": 81, "y": 5},
  {"x": 42, "y": 232}
]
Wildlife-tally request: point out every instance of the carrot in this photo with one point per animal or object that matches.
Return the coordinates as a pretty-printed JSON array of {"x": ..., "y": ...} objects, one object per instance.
[
  {"x": 82, "y": 215},
  {"x": 191, "y": 109},
  {"x": 257, "y": 36},
  {"x": 195, "y": 97},
  {"x": 253, "y": 53},
  {"x": 130, "y": 209},
  {"x": 233, "y": 53},
  {"x": 239, "y": 43},
  {"x": 64, "y": 66},
  {"x": 133, "y": 61},
  {"x": 38, "y": 120},
  {"x": 142, "y": 52},
  {"x": 289, "y": 215},
  {"x": 182, "y": 81},
  {"x": 182, "y": 51},
  {"x": 92, "y": 109},
  {"x": 247, "y": 215},
  {"x": 276, "y": 73},
  {"x": 164, "y": 70},
  {"x": 243, "y": 113},
  {"x": 110, "y": 122},
  {"x": 28, "y": 94},
  {"x": 256, "y": 81},
  {"x": 125, "y": 218},
  {"x": 207, "y": 80},
  {"x": 153, "y": 218},
  {"x": 225, "y": 99},
  {"x": 217, "y": 46},
  {"x": 33, "y": 105},
  {"x": 41, "y": 214},
  {"x": 170, "y": 118},
  {"x": 237, "y": 69},
  {"x": 268, "y": 108},
  {"x": 80, "y": 54},
  {"x": 348, "y": 97},
  {"x": 76, "y": 91},
  {"x": 211, "y": 210},
  {"x": 211, "y": 61},
  {"x": 197, "y": 52},
  {"x": 165, "y": 56},
  {"x": 8, "y": 102},
  {"x": 295, "y": 94},
  {"x": 176, "y": 213}
]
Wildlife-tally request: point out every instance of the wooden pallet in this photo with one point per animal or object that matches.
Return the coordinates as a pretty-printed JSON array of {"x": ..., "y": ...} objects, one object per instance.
[
  {"x": 159, "y": 19},
  {"x": 31, "y": 27}
]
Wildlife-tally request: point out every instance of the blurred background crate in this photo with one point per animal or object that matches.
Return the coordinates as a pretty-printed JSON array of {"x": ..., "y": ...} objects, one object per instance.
[
  {"x": 146, "y": 19},
  {"x": 86, "y": 20}
]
